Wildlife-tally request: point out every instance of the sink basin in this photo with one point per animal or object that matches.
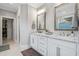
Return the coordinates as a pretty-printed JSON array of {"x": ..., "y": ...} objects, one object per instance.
[{"x": 48, "y": 33}]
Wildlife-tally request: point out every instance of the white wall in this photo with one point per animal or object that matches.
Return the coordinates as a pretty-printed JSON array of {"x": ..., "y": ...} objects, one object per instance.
[
  {"x": 32, "y": 16},
  {"x": 26, "y": 14},
  {"x": 6, "y": 14},
  {"x": 24, "y": 25}
]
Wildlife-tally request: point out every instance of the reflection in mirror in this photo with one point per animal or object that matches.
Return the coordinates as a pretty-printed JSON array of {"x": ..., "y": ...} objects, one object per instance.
[
  {"x": 65, "y": 17},
  {"x": 41, "y": 22}
]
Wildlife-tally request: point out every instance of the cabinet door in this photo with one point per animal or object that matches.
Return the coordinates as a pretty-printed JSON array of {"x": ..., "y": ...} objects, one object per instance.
[
  {"x": 52, "y": 47},
  {"x": 34, "y": 41},
  {"x": 67, "y": 48},
  {"x": 61, "y": 48},
  {"x": 67, "y": 51},
  {"x": 77, "y": 50}
]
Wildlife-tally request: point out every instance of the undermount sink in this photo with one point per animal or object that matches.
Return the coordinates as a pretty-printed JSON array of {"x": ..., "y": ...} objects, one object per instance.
[{"x": 48, "y": 33}]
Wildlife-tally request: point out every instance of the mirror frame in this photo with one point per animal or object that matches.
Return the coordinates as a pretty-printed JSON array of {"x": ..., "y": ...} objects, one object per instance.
[
  {"x": 75, "y": 14},
  {"x": 44, "y": 22}
]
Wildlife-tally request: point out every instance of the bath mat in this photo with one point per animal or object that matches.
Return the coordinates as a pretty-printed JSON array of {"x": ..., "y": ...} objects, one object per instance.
[
  {"x": 30, "y": 52},
  {"x": 4, "y": 47}
]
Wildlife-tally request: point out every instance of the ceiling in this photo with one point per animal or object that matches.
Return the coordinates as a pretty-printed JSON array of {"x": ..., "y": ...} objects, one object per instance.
[
  {"x": 14, "y": 6},
  {"x": 10, "y": 7},
  {"x": 36, "y": 5}
]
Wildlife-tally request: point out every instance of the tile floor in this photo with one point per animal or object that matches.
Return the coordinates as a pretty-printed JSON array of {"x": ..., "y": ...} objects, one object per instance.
[{"x": 14, "y": 50}]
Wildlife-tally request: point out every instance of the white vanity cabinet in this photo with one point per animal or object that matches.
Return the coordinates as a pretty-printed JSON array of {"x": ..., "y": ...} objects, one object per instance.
[
  {"x": 39, "y": 43},
  {"x": 53, "y": 46},
  {"x": 33, "y": 41},
  {"x": 61, "y": 48}
]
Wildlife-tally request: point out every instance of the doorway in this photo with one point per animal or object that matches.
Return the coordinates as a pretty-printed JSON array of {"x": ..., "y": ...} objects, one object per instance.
[{"x": 7, "y": 30}]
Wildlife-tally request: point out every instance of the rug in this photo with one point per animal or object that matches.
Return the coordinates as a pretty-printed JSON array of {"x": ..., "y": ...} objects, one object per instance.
[
  {"x": 4, "y": 48},
  {"x": 30, "y": 52}
]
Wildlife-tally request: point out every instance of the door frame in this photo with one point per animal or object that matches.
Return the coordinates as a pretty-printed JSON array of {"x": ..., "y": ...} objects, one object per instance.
[{"x": 1, "y": 17}]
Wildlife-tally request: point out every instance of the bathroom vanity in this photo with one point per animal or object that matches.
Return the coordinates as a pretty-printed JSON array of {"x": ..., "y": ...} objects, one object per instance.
[
  {"x": 65, "y": 18},
  {"x": 54, "y": 45}
]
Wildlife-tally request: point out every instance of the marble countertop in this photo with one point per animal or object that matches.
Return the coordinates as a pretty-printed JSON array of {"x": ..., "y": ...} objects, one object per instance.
[{"x": 74, "y": 39}]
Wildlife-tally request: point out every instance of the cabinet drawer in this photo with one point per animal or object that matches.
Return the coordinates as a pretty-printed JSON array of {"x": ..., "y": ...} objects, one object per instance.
[
  {"x": 43, "y": 43},
  {"x": 42, "y": 50},
  {"x": 42, "y": 46},
  {"x": 43, "y": 39}
]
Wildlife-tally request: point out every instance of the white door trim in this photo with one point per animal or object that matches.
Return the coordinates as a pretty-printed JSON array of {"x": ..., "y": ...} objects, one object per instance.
[{"x": 1, "y": 17}]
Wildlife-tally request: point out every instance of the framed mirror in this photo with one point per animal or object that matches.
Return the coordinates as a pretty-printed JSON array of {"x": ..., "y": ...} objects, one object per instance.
[
  {"x": 41, "y": 21},
  {"x": 65, "y": 17}
]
